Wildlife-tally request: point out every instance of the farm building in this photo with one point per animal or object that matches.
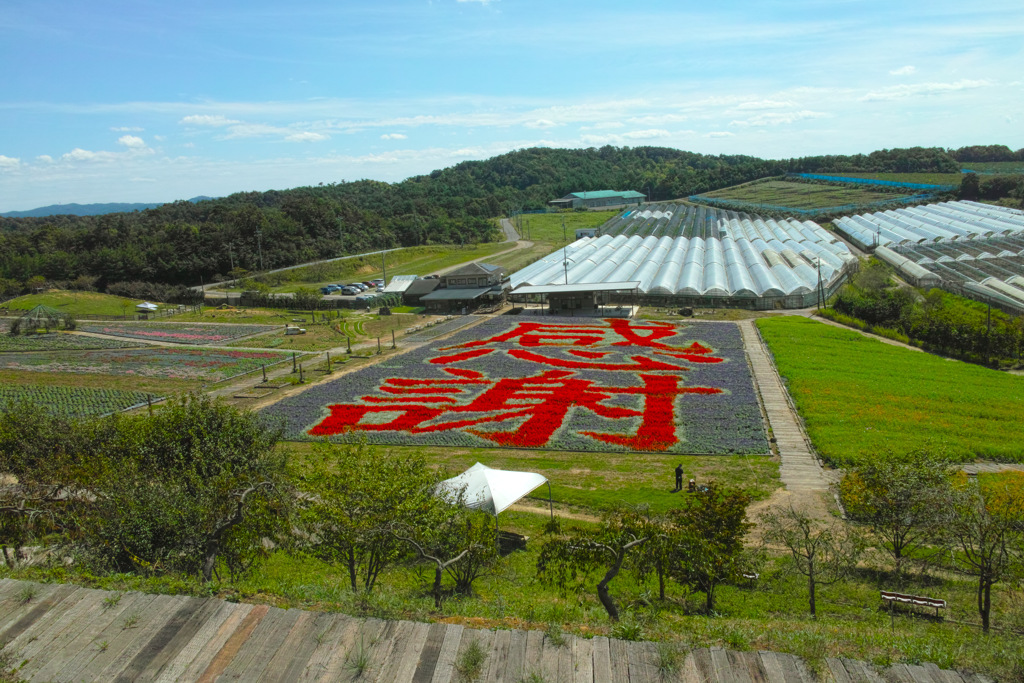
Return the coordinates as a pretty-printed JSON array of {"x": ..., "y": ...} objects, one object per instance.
[
  {"x": 972, "y": 249},
  {"x": 691, "y": 256},
  {"x": 598, "y": 199},
  {"x": 414, "y": 293},
  {"x": 467, "y": 288}
]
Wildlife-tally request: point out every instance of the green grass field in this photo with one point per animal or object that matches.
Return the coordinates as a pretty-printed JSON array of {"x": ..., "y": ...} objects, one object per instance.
[
  {"x": 783, "y": 193},
  {"x": 413, "y": 261},
  {"x": 547, "y": 227},
  {"x": 860, "y": 396},
  {"x": 77, "y": 303}
]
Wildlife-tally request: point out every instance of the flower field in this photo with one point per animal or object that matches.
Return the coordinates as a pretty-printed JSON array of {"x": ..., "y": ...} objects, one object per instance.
[
  {"x": 57, "y": 341},
  {"x": 600, "y": 385},
  {"x": 72, "y": 401},
  {"x": 196, "y": 364},
  {"x": 177, "y": 333}
]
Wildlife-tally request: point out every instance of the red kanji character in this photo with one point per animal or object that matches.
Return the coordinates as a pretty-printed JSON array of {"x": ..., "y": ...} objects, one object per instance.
[{"x": 533, "y": 334}]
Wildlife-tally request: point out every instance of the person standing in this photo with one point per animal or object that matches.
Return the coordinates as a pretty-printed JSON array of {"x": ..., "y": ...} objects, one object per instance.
[{"x": 679, "y": 478}]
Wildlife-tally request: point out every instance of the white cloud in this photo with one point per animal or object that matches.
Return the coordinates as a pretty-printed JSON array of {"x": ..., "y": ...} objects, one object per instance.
[
  {"x": 9, "y": 162},
  {"x": 159, "y": 138},
  {"x": 607, "y": 125},
  {"x": 619, "y": 138},
  {"x": 393, "y": 136},
  {"x": 720, "y": 134},
  {"x": 540, "y": 123},
  {"x": 775, "y": 119},
  {"x": 759, "y": 105},
  {"x": 189, "y": 145},
  {"x": 924, "y": 89},
  {"x": 658, "y": 119},
  {"x": 44, "y": 159},
  {"x": 210, "y": 120},
  {"x": 131, "y": 142},
  {"x": 127, "y": 129},
  {"x": 907, "y": 70},
  {"x": 307, "y": 136}
]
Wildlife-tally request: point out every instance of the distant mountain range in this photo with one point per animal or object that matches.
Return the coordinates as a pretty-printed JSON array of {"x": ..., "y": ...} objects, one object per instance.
[{"x": 86, "y": 209}]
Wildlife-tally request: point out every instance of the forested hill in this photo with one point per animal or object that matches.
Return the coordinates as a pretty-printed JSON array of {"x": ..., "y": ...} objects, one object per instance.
[{"x": 183, "y": 242}]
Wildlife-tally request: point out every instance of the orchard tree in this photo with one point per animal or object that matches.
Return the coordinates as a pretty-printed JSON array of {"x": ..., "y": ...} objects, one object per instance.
[
  {"x": 708, "y": 534},
  {"x": 571, "y": 559},
  {"x": 823, "y": 551},
  {"x": 986, "y": 532},
  {"x": 905, "y": 500},
  {"x": 352, "y": 498}
]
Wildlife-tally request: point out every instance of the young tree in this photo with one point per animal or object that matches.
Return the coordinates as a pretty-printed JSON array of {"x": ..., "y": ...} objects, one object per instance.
[
  {"x": 568, "y": 560},
  {"x": 454, "y": 539},
  {"x": 353, "y": 496},
  {"x": 709, "y": 530},
  {"x": 824, "y": 552},
  {"x": 904, "y": 500},
  {"x": 987, "y": 532}
]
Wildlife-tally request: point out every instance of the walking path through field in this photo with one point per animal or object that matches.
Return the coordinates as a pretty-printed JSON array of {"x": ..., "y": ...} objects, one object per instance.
[
  {"x": 800, "y": 470},
  {"x": 65, "y": 633}
]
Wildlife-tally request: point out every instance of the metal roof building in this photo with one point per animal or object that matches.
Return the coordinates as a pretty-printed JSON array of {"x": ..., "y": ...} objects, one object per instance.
[{"x": 600, "y": 198}]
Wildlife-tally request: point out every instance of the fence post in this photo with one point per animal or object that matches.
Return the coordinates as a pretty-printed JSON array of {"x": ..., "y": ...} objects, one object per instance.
[
  {"x": 393, "y": 345},
  {"x": 293, "y": 361}
]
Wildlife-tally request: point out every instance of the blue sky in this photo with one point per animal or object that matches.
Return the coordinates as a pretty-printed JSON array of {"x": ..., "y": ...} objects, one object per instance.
[{"x": 154, "y": 101}]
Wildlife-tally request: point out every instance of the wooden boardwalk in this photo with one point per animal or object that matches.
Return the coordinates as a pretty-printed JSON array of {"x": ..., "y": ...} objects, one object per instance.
[
  {"x": 800, "y": 469},
  {"x": 65, "y": 633}
]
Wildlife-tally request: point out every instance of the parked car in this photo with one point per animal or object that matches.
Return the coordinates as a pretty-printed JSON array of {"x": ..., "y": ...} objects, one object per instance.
[
  {"x": 358, "y": 285},
  {"x": 349, "y": 291},
  {"x": 326, "y": 290},
  {"x": 378, "y": 282}
]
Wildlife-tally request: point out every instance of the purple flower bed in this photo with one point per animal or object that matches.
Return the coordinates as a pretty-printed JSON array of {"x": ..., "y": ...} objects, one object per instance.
[
  {"x": 646, "y": 387},
  {"x": 178, "y": 333}
]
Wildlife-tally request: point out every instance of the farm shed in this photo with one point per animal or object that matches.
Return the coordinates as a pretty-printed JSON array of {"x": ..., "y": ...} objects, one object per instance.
[
  {"x": 466, "y": 288},
  {"x": 400, "y": 283},
  {"x": 597, "y": 199},
  {"x": 416, "y": 290},
  {"x": 585, "y": 297}
]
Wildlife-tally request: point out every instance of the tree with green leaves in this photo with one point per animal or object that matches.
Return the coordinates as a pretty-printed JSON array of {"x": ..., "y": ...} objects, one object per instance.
[
  {"x": 568, "y": 560},
  {"x": 986, "y": 532},
  {"x": 904, "y": 500},
  {"x": 823, "y": 551},
  {"x": 352, "y": 497},
  {"x": 454, "y": 540},
  {"x": 709, "y": 530}
]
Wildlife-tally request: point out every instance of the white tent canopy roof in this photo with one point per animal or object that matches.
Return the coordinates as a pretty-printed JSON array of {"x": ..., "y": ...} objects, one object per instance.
[
  {"x": 490, "y": 489},
  {"x": 147, "y": 306}
]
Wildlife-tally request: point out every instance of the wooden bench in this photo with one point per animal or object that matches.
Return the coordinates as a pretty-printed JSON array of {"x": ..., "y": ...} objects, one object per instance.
[{"x": 913, "y": 601}]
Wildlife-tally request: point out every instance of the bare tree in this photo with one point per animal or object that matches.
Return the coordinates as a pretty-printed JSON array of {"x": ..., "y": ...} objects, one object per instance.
[{"x": 824, "y": 552}]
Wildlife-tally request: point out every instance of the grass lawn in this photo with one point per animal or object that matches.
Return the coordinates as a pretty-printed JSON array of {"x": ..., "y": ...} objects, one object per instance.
[
  {"x": 858, "y": 396},
  {"x": 600, "y": 481},
  {"x": 547, "y": 227},
  {"x": 782, "y": 193},
  {"x": 77, "y": 303},
  {"x": 414, "y": 261}
]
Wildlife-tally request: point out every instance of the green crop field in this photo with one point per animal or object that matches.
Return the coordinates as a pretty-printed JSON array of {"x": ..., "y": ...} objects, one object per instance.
[
  {"x": 923, "y": 178},
  {"x": 995, "y": 167},
  {"x": 784, "y": 193},
  {"x": 860, "y": 396},
  {"x": 72, "y": 401}
]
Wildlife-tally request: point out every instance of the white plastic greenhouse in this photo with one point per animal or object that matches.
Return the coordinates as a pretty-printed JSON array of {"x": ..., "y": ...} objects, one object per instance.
[{"x": 736, "y": 256}]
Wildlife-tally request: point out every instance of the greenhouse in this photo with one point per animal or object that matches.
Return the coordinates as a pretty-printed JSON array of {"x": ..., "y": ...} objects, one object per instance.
[{"x": 699, "y": 256}]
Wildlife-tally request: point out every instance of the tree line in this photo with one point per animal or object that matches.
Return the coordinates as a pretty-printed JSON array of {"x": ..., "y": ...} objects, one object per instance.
[
  {"x": 938, "y": 320},
  {"x": 185, "y": 243},
  {"x": 201, "y": 489}
]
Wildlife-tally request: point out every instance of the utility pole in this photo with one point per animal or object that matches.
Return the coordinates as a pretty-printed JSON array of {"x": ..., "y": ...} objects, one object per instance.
[
  {"x": 259, "y": 245},
  {"x": 384, "y": 268},
  {"x": 564, "y": 239}
]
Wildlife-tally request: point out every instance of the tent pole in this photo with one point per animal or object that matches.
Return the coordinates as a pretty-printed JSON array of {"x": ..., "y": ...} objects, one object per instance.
[{"x": 551, "y": 505}]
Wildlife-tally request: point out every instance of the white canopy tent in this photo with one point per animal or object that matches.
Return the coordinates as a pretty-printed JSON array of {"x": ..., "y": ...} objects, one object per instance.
[
  {"x": 146, "y": 306},
  {"x": 491, "y": 490}
]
